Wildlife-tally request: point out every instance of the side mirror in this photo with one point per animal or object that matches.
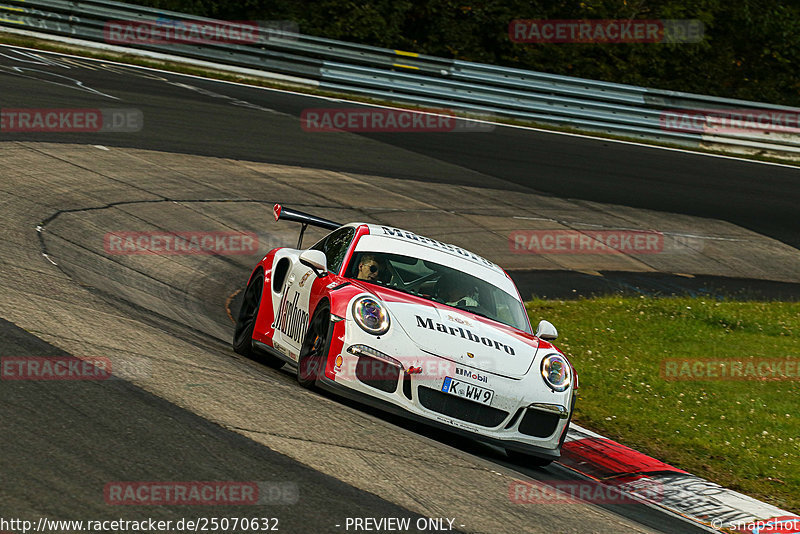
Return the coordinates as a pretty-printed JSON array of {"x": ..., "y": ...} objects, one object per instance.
[
  {"x": 546, "y": 331},
  {"x": 316, "y": 260}
]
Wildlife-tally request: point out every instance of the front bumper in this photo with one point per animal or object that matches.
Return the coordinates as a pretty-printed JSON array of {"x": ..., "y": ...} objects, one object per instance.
[
  {"x": 365, "y": 398},
  {"x": 512, "y": 421}
]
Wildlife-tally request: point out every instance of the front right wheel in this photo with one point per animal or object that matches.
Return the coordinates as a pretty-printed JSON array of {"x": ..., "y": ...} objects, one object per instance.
[{"x": 314, "y": 352}]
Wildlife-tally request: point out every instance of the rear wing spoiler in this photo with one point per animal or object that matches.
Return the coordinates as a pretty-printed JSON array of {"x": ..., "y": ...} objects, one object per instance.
[{"x": 286, "y": 214}]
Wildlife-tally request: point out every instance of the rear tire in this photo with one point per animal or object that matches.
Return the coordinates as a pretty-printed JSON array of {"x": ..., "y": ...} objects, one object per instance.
[
  {"x": 314, "y": 352},
  {"x": 246, "y": 323}
]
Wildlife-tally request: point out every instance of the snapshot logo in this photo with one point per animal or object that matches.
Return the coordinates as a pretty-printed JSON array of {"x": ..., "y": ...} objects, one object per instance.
[
  {"x": 71, "y": 120},
  {"x": 387, "y": 120},
  {"x": 775, "y": 525},
  {"x": 181, "y": 243},
  {"x": 54, "y": 368},
  {"x": 720, "y": 121},
  {"x": 598, "y": 31},
  {"x": 582, "y": 491},
  {"x": 585, "y": 242},
  {"x": 200, "y": 493},
  {"x": 761, "y": 369}
]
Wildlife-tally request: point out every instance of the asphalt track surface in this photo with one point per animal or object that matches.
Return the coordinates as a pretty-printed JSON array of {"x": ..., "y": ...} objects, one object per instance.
[
  {"x": 62, "y": 433},
  {"x": 62, "y": 445},
  {"x": 200, "y": 120}
]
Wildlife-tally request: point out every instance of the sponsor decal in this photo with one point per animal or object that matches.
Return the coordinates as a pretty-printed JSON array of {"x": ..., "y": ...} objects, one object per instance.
[
  {"x": 577, "y": 491},
  {"x": 761, "y": 369},
  {"x": 292, "y": 320},
  {"x": 54, "y": 368},
  {"x": 741, "y": 121},
  {"x": 472, "y": 374},
  {"x": 179, "y": 243},
  {"x": 404, "y": 234},
  {"x": 585, "y": 242},
  {"x": 464, "y": 333},
  {"x": 458, "y": 320},
  {"x": 71, "y": 120},
  {"x": 598, "y": 31},
  {"x": 305, "y": 277}
]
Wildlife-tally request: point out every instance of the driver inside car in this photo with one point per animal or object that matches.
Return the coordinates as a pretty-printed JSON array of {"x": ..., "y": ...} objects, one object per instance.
[
  {"x": 453, "y": 294},
  {"x": 368, "y": 268}
]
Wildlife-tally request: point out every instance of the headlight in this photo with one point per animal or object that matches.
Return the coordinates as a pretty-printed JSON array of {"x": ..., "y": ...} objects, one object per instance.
[
  {"x": 370, "y": 316},
  {"x": 556, "y": 372}
]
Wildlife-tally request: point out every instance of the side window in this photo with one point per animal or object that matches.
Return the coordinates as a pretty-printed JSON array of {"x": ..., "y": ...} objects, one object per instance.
[{"x": 335, "y": 247}]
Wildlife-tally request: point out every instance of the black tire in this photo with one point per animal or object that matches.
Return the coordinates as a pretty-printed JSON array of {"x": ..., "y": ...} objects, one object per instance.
[
  {"x": 314, "y": 352},
  {"x": 527, "y": 460},
  {"x": 246, "y": 323}
]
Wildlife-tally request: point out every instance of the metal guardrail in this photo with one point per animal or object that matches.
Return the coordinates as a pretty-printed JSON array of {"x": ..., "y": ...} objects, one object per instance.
[{"x": 430, "y": 81}]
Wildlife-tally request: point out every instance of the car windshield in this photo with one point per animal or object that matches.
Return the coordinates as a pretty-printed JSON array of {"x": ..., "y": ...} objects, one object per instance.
[{"x": 439, "y": 283}]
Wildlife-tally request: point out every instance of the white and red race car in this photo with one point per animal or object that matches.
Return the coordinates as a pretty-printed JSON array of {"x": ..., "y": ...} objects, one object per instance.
[{"x": 414, "y": 326}]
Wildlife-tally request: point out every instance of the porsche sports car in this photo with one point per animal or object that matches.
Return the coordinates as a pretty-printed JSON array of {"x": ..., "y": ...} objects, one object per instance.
[{"x": 414, "y": 326}]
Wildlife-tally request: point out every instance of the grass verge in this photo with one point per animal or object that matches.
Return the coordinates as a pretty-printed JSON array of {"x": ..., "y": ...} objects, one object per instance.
[{"x": 742, "y": 434}]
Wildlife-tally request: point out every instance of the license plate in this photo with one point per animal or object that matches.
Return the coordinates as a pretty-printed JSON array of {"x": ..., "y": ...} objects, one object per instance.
[{"x": 467, "y": 391}]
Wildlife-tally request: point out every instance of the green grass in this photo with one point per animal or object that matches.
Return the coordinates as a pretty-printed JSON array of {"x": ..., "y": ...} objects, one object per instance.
[{"x": 744, "y": 435}]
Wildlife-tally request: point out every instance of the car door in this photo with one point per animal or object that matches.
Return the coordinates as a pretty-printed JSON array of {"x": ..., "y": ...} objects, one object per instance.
[{"x": 293, "y": 315}]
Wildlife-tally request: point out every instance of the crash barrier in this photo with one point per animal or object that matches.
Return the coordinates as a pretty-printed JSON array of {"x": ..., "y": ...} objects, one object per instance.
[{"x": 431, "y": 82}]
